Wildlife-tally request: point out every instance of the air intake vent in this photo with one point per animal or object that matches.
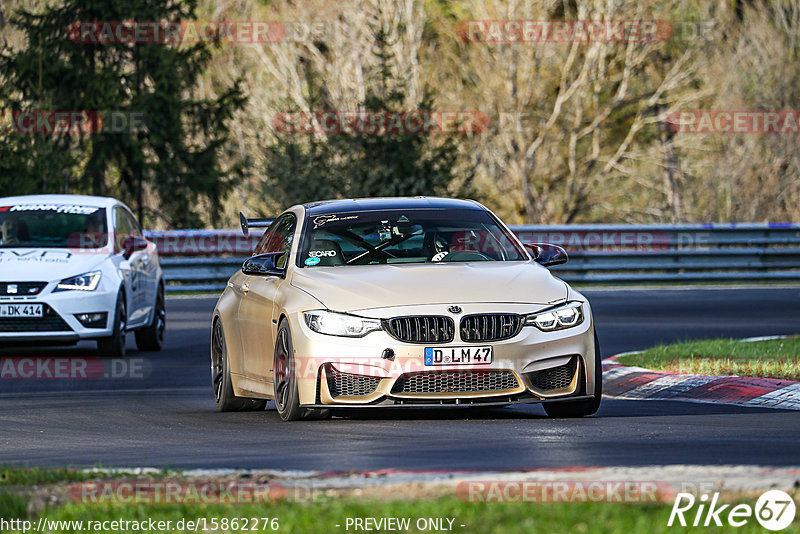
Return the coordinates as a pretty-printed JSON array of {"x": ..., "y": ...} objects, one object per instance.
[
  {"x": 490, "y": 327},
  {"x": 422, "y": 329},
  {"x": 50, "y": 322},
  {"x": 455, "y": 382},
  {"x": 554, "y": 378},
  {"x": 348, "y": 384}
]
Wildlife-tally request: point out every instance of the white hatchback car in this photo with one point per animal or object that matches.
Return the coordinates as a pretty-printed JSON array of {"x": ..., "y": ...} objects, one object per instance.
[{"x": 75, "y": 268}]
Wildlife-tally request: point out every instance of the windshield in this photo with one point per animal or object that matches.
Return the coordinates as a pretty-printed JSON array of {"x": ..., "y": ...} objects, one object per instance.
[
  {"x": 52, "y": 226},
  {"x": 405, "y": 236}
]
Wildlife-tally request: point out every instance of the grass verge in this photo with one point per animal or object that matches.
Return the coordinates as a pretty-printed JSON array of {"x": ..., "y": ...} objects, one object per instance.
[
  {"x": 16, "y": 476},
  {"x": 332, "y": 515},
  {"x": 36, "y": 476},
  {"x": 773, "y": 358},
  {"x": 31, "y": 493}
]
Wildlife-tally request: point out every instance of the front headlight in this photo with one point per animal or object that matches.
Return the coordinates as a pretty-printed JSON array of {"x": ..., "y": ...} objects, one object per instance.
[
  {"x": 558, "y": 318},
  {"x": 82, "y": 282},
  {"x": 340, "y": 324}
]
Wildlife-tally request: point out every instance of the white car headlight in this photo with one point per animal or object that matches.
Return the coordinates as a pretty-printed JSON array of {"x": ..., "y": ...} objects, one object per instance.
[
  {"x": 558, "y": 318},
  {"x": 340, "y": 324},
  {"x": 82, "y": 282}
]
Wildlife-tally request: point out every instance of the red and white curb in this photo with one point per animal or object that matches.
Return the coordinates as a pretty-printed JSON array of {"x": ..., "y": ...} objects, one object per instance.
[
  {"x": 679, "y": 477},
  {"x": 620, "y": 381}
]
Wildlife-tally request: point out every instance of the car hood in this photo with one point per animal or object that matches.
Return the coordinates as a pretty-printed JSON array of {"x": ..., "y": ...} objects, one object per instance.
[
  {"x": 45, "y": 264},
  {"x": 361, "y": 287}
]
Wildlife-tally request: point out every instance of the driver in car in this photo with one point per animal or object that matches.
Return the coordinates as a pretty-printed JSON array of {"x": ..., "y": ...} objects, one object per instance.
[
  {"x": 94, "y": 231},
  {"x": 10, "y": 232}
]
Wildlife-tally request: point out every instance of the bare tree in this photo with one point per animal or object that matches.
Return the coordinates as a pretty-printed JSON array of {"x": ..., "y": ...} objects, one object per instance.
[
  {"x": 579, "y": 110},
  {"x": 578, "y": 129}
]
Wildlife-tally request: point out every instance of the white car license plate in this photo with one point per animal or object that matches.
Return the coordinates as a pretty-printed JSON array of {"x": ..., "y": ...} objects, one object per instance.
[
  {"x": 458, "y": 355},
  {"x": 21, "y": 310}
]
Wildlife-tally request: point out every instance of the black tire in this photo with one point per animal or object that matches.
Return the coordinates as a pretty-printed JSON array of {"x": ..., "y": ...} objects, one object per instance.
[
  {"x": 151, "y": 337},
  {"x": 113, "y": 346},
  {"x": 224, "y": 398},
  {"x": 581, "y": 408},
  {"x": 287, "y": 396}
]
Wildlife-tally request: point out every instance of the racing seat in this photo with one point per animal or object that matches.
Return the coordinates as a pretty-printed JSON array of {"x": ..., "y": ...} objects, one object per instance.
[{"x": 328, "y": 251}]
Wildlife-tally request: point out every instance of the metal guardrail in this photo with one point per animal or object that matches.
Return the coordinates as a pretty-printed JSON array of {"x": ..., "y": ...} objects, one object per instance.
[{"x": 204, "y": 260}]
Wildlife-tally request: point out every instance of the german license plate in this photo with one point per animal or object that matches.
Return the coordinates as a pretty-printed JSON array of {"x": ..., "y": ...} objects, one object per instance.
[
  {"x": 458, "y": 355},
  {"x": 21, "y": 310}
]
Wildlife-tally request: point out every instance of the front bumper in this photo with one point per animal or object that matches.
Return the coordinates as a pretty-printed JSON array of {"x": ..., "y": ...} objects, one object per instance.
[
  {"x": 464, "y": 403},
  {"x": 60, "y": 324},
  {"x": 533, "y": 366}
]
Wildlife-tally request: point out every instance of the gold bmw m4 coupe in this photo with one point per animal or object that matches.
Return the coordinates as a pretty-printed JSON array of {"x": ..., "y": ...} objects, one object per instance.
[{"x": 400, "y": 302}]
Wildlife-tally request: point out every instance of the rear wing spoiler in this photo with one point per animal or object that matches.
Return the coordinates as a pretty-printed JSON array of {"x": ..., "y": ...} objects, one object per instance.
[{"x": 252, "y": 223}]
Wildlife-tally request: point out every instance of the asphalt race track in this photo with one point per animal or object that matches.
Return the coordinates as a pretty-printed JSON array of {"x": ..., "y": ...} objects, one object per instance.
[{"x": 168, "y": 419}]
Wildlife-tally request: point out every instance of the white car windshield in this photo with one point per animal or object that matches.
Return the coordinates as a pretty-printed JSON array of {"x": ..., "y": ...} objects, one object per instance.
[
  {"x": 52, "y": 226},
  {"x": 406, "y": 236}
]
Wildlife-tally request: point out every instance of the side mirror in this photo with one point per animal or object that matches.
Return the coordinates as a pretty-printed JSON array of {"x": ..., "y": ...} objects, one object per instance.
[
  {"x": 131, "y": 244},
  {"x": 264, "y": 265},
  {"x": 546, "y": 254}
]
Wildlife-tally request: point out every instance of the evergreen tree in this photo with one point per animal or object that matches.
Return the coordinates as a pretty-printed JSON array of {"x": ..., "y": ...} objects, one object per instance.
[
  {"x": 176, "y": 157},
  {"x": 302, "y": 167}
]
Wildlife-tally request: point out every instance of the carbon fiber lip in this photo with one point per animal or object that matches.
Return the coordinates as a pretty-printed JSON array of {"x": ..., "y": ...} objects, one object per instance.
[{"x": 465, "y": 404}]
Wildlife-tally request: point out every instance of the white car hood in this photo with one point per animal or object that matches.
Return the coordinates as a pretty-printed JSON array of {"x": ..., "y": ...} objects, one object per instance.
[
  {"x": 46, "y": 264},
  {"x": 361, "y": 287}
]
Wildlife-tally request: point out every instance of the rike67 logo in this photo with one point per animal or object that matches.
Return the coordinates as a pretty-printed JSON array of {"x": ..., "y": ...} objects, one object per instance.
[{"x": 774, "y": 510}]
